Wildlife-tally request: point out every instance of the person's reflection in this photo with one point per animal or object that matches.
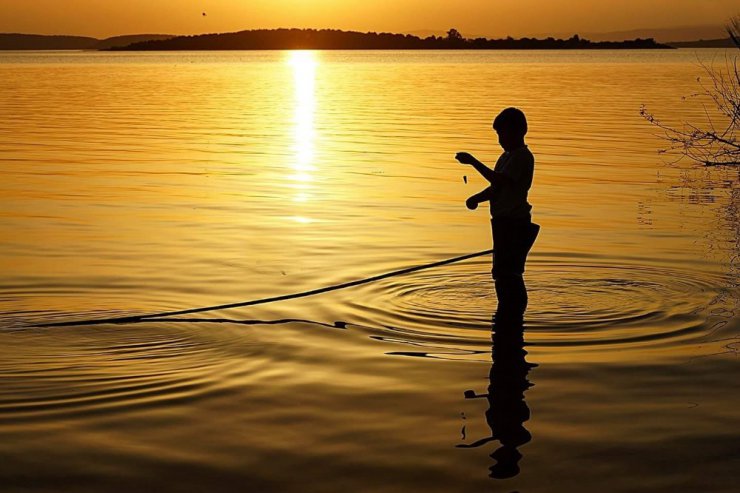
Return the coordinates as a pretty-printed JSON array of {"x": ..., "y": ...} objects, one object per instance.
[{"x": 507, "y": 410}]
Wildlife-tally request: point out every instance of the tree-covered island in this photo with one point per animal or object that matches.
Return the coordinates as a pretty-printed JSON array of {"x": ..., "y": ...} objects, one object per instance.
[{"x": 333, "y": 39}]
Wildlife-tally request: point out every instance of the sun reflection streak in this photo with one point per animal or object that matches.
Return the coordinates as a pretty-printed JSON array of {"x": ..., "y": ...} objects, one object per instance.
[{"x": 304, "y": 74}]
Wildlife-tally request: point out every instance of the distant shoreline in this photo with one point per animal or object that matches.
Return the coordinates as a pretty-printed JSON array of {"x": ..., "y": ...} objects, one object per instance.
[
  {"x": 332, "y": 39},
  {"x": 43, "y": 42},
  {"x": 326, "y": 39}
]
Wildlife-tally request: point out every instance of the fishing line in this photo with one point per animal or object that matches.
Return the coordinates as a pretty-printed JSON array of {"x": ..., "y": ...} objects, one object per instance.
[{"x": 335, "y": 287}]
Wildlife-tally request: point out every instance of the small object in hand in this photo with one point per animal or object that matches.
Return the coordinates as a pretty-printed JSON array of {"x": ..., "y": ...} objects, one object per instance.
[
  {"x": 465, "y": 178},
  {"x": 465, "y": 158}
]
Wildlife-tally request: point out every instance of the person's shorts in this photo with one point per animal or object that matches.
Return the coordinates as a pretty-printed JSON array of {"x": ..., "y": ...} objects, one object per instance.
[{"x": 512, "y": 241}]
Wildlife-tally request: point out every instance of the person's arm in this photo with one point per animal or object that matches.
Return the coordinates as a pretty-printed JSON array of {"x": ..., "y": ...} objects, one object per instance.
[
  {"x": 482, "y": 196},
  {"x": 493, "y": 178}
]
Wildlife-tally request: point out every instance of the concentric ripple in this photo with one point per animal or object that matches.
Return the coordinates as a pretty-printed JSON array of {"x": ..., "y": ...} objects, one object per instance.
[{"x": 573, "y": 302}]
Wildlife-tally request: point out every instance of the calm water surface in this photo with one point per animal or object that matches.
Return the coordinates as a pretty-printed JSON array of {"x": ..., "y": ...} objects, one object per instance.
[{"x": 148, "y": 182}]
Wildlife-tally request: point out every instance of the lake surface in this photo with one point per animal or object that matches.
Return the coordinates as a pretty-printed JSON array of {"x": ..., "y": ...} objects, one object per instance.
[{"x": 153, "y": 182}]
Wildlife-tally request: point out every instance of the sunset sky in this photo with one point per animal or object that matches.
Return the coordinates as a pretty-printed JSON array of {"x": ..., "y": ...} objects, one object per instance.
[{"x": 102, "y": 18}]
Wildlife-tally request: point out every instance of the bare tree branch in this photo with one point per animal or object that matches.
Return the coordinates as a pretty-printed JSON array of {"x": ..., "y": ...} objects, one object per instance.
[
  {"x": 733, "y": 29},
  {"x": 710, "y": 145}
]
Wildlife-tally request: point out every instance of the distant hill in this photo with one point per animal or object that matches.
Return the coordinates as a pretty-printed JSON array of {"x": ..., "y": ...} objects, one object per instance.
[
  {"x": 704, "y": 43},
  {"x": 14, "y": 41},
  {"x": 120, "y": 41},
  {"x": 663, "y": 35},
  {"x": 332, "y": 39}
]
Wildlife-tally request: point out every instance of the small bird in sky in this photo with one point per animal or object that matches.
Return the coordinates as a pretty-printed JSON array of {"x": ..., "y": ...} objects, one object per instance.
[{"x": 204, "y": 14}]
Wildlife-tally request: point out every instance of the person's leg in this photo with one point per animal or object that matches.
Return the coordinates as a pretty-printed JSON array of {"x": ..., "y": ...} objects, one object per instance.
[
  {"x": 512, "y": 241},
  {"x": 511, "y": 293},
  {"x": 523, "y": 233},
  {"x": 501, "y": 232}
]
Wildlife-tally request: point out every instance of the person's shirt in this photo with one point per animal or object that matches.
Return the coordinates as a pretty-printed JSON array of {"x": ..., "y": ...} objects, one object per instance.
[{"x": 510, "y": 199}]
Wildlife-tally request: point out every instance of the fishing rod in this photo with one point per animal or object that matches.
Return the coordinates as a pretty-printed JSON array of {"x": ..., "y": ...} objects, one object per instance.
[{"x": 304, "y": 294}]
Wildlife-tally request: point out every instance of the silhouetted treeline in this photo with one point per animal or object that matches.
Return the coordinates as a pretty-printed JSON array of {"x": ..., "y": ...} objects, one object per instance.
[
  {"x": 12, "y": 41},
  {"x": 41, "y": 42},
  {"x": 332, "y": 39}
]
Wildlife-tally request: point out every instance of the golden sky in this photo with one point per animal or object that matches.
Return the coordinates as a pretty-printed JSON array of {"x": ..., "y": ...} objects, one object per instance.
[{"x": 101, "y": 18}]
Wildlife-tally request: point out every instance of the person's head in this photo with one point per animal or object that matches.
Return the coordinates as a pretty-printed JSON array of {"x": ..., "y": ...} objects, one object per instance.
[{"x": 511, "y": 127}]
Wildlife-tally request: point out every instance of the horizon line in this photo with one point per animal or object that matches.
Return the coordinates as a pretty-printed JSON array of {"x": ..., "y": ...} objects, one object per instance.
[{"x": 412, "y": 32}]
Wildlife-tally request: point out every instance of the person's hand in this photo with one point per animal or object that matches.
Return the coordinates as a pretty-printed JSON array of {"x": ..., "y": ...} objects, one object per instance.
[
  {"x": 471, "y": 204},
  {"x": 465, "y": 158}
]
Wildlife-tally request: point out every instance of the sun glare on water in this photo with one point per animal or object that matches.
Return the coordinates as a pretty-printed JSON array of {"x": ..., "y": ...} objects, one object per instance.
[{"x": 304, "y": 74}]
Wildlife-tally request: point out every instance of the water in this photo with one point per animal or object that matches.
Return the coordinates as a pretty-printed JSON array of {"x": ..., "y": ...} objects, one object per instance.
[{"x": 139, "y": 183}]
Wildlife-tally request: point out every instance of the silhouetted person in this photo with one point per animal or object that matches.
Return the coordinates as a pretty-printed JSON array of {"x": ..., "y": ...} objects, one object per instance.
[
  {"x": 507, "y": 410},
  {"x": 511, "y": 221}
]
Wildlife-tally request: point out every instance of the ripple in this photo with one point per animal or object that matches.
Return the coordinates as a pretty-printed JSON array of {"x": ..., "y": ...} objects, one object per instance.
[{"x": 573, "y": 301}]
